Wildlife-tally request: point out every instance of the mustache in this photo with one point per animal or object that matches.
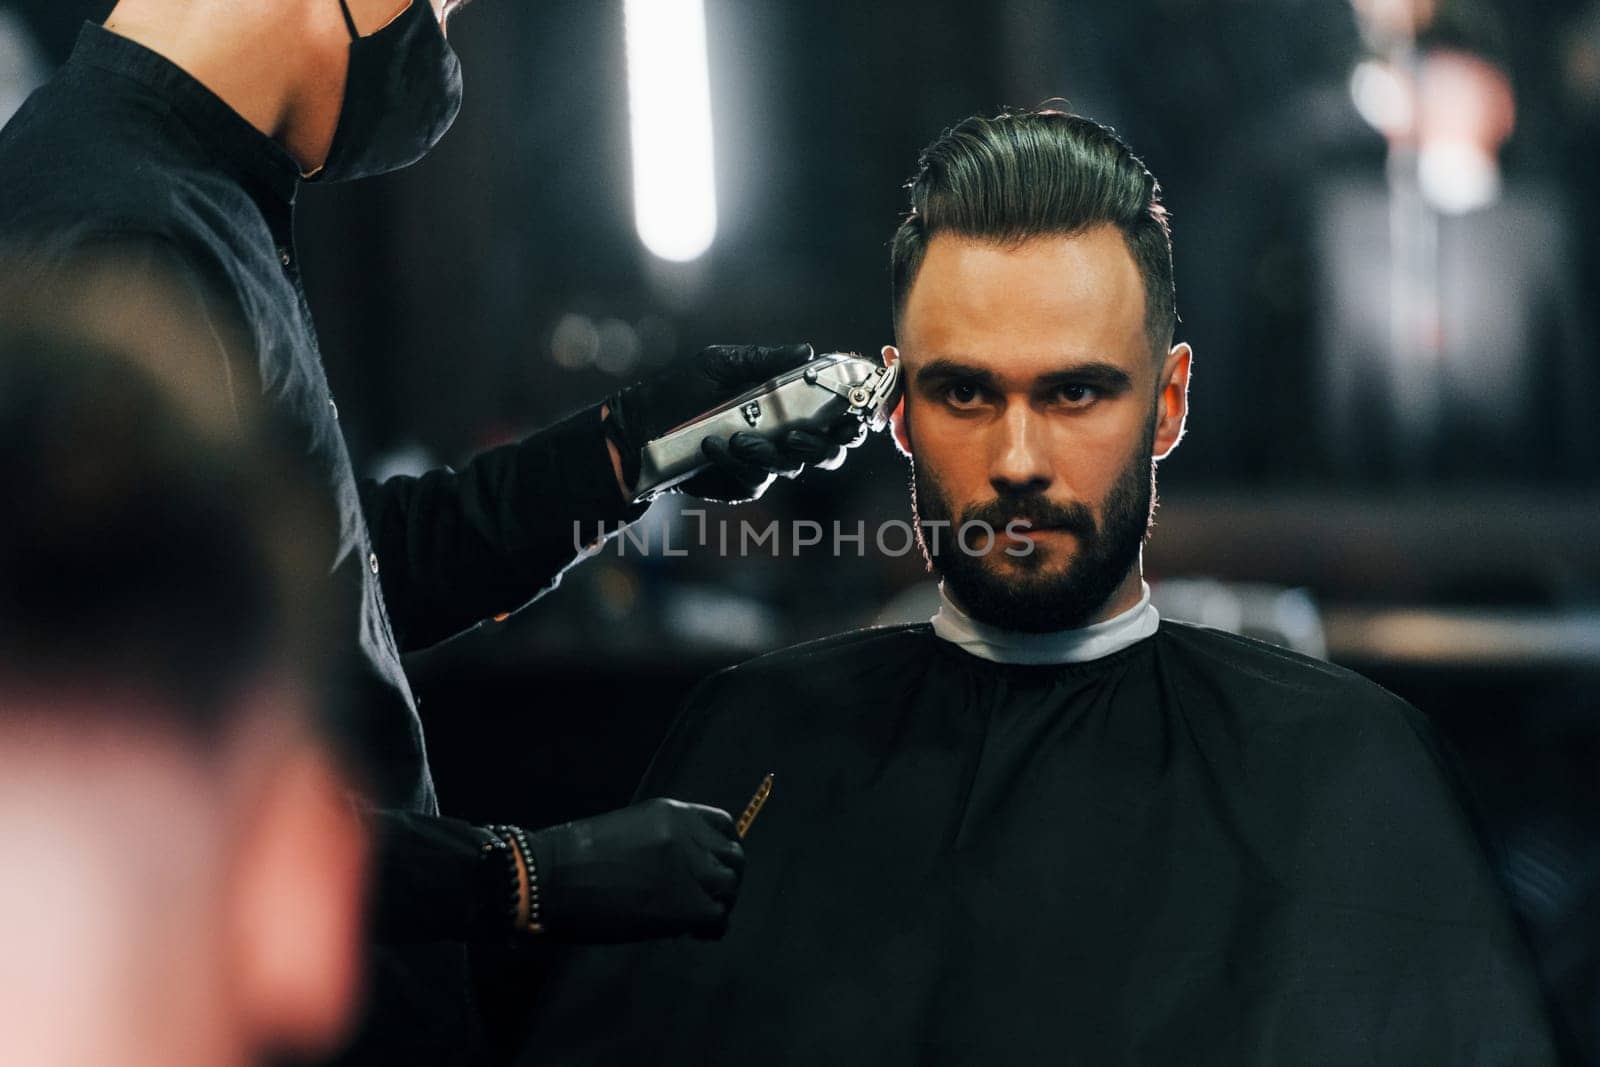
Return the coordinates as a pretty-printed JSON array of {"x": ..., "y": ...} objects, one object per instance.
[{"x": 1036, "y": 510}]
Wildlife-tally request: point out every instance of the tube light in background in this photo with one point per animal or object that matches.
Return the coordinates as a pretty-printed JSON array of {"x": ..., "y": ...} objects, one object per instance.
[{"x": 669, "y": 104}]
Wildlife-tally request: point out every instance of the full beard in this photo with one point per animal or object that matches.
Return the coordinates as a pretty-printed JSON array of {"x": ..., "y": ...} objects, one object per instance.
[{"x": 1033, "y": 593}]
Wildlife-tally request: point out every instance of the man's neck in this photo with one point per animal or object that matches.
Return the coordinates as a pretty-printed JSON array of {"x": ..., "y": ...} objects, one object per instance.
[
  {"x": 1108, "y": 634},
  {"x": 281, "y": 66},
  {"x": 1127, "y": 594}
]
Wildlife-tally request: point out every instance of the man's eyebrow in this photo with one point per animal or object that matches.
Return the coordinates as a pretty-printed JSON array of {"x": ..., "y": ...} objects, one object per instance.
[
  {"x": 1107, "y": 377},
  {"x": 945, "y": 370},
  {"x": 1103, "y": 375}
]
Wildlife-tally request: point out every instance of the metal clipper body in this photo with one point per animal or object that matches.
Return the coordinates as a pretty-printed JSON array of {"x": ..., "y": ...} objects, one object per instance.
[{"x": 810, "y": 397}]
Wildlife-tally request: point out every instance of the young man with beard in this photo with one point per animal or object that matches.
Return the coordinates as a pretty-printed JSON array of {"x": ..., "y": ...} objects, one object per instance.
[{"x": 1050, "y": 825}]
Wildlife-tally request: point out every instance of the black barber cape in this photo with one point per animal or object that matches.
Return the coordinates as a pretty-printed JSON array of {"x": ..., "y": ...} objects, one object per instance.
[
  {"x": 1197, "y": 850},
  {"x": 123, "y": 154}
]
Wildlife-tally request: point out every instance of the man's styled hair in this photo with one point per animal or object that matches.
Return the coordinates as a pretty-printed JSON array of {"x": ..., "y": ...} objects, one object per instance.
[{"x": 1037, "y": 173}]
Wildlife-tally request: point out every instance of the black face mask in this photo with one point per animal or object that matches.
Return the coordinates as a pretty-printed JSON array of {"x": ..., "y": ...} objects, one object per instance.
[{"x": 400, "y": 96}]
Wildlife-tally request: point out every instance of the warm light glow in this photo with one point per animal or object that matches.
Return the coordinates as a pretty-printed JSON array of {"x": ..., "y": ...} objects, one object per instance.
[{"x": 669, "y": 94}]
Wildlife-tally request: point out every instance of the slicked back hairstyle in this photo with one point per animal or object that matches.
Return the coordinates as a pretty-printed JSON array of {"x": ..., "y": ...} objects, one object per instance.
[{"x": 1037, "y": 173}]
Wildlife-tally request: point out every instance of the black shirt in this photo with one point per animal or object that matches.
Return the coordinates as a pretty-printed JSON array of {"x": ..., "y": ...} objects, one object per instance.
[
  {"x": 124, "y": 149},
  {"x": 124, "y": 153}
]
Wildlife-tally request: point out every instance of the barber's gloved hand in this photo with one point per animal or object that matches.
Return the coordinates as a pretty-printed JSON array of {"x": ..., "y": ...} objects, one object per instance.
[
  {"x": 745, "y": 464},
  {"x": 657, "y": 869}
]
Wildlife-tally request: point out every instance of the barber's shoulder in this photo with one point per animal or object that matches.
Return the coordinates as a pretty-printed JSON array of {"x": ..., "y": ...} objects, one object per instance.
[
  {"x": 74, "y": 191},
  {"x": 138, "y": 222}
]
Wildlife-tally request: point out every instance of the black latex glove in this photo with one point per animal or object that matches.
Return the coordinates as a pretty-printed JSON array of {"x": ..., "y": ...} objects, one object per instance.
[
  {"x": 657, "y": 869},
  {"x": 744, "y": 465}
]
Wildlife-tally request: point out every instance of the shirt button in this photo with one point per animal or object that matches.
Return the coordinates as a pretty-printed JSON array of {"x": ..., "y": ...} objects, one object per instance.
[
  {"x": 284, "y": 257},
  {"x": 372, "y": 562}
]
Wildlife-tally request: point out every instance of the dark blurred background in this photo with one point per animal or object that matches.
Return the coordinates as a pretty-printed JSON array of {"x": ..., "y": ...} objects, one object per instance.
[{"x": 1385, "y": 254}]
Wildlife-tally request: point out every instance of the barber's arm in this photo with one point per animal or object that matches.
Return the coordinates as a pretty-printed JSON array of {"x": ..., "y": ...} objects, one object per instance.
[
  {"x": 458, "y": 547},
  {"x": 654, "y": 869}
]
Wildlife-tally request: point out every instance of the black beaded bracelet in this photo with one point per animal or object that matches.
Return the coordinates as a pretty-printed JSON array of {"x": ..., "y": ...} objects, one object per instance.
[
  {"x": 502, "y": 842},
  {"x": 524, "y": 879},
  {"x": 520, "y": 837}
]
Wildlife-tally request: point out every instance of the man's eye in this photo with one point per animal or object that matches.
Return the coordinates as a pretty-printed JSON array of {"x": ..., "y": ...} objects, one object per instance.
[
  {"x": 962, "y": 394},
  {"x": 1076, "y": 396}
]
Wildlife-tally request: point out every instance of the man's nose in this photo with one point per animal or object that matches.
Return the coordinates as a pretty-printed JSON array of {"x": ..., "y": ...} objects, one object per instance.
[{"x": 1021, "y": 461}]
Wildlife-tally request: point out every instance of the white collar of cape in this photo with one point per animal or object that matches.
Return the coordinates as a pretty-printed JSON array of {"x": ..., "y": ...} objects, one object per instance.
[{"x": 1062, "y": 646}]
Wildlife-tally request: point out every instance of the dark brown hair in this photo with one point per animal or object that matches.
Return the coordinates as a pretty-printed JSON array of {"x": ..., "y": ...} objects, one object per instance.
[
  {"x": 1034, "y": 173},
  {"x": 162, "y": 537}
]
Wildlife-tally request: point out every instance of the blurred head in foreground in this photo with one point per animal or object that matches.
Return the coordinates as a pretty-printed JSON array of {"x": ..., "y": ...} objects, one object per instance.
[{"x": 181, "y": 874}]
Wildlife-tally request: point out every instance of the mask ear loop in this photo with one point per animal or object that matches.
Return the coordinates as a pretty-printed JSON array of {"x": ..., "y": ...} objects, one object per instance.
[{"x": 349, "y": 22}]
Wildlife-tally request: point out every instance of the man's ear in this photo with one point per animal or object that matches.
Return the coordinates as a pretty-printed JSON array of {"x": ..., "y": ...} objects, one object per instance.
[
  {"x": 298, "y": 905},
  {"x": 897, "y": 417},
  {"x": 1173, "y": 403}
]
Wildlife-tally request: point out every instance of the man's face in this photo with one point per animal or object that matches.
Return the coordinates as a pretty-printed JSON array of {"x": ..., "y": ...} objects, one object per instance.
[{"x": 1033, "y": 394}]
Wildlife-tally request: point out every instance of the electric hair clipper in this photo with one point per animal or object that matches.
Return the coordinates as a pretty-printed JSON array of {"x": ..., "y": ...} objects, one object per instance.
[{"x": 810, "y": 397}]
